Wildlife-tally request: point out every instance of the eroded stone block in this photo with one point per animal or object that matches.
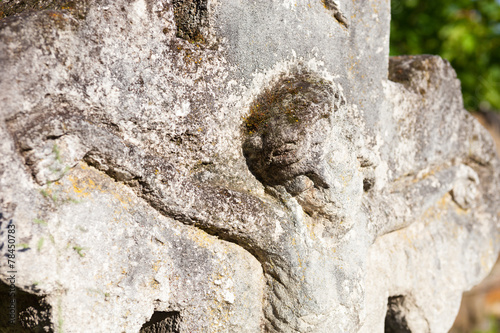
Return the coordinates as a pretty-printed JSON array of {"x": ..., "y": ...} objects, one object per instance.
[{"x": 200, "y": 166}]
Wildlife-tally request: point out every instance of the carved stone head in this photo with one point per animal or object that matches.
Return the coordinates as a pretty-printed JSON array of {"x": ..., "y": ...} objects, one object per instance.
[{"x": 286, "y": 128}]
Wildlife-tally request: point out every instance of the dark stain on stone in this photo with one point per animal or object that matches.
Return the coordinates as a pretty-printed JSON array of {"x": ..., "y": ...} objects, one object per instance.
[
  {"x": 33, "y": 313},
  {"x": 334, "y": 10},
  {"x": 162, "y": 322},
  {"x": 368, "y": 184},
  {"x": 191, "y": 16},
  {"x": 76, "y": 8},
  {"x": 395, "y": 320}
]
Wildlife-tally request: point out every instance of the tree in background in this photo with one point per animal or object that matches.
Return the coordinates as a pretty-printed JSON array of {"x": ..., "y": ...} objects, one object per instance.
[{"x": 465, "y": 32}]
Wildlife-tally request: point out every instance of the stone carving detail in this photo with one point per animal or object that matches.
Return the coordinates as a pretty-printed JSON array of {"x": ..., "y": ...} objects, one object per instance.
[
  {"x": 278, "y": 182},
  {"x": 300, "y": 135},
  {"x": 285, "y": 128}
]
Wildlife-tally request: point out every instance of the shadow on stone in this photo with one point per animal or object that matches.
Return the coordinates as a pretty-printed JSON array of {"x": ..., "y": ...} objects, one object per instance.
[
  {"x": 33, "y": 313},
  {"x": 395, "y": 321},
  {"x": 162, "y": 322}
]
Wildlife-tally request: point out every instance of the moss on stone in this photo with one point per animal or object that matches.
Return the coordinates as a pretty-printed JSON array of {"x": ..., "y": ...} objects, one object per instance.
[
  {"x": 10, "y": 8},
  {"x": 191, "y": 17},
  {"x": 289, "y": 98}
]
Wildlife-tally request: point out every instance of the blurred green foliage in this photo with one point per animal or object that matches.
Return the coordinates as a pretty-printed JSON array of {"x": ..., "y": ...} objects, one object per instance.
[
  {"x": 465, "y": 32},
  {"x": 493, "y": 326}
]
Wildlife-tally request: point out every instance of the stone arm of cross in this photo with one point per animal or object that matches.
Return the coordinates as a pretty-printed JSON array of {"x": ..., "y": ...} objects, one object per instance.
[
  {"x": 232, "y": 215},
  {"x": 406, "y": 200}
]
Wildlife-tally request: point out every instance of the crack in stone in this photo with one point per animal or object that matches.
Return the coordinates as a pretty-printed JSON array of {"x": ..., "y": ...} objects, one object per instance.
[{"x": 334, "y": 10}]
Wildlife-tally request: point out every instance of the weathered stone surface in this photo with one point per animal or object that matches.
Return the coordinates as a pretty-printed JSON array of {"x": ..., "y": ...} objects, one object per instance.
[{"x": 202, "y": 166}]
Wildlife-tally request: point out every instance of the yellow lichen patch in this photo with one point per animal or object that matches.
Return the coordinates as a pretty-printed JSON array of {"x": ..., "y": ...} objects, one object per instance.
[
  {"x": 156, "y": 265},
  {"x": 154, "y": 284},
  {"x": 125, "y": 201},
  {"x": 403, "y": 235},
  {"x": 460, "y": 211},
  {"x": 436, "y": 211},
  {"x": 84, "y": 181},
  {"x": 446, "y": 201},
  {"x": 47, "y": 192},
  {"x": 55, "y": 15},
  {"x": 201, "y": 238},
  {"x": 310, "y": 227},
  {"x": 427, "y": 174},
  {"x": 82, "y": 187},
  {"x": 443, "y": 202}
]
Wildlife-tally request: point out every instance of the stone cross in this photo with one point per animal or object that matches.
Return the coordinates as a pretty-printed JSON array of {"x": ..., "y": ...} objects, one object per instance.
[{"x": 235, "y": 166}]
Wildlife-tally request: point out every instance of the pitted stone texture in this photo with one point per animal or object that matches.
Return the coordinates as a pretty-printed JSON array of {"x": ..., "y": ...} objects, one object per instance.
[
  {"x": 441, "y": 253},
  {"x": 238, "y": 167}
]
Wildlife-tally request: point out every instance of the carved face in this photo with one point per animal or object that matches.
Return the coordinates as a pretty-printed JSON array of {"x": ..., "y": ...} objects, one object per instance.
[
  {"x": 285, "y": 143},
  {"x": 287, "y": 127}
]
